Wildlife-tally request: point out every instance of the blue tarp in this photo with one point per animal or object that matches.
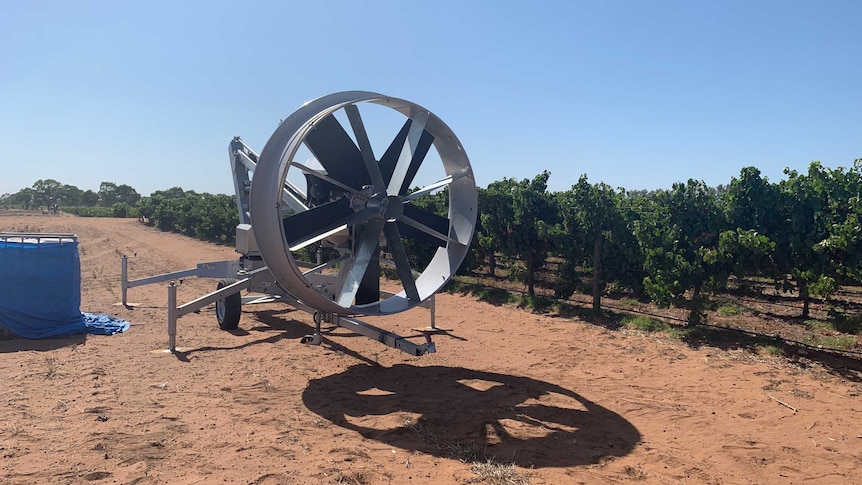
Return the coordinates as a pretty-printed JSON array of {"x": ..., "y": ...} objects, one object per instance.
[
  {"x": 40, "y": 290},
  {"x": 102, "y": 324}
]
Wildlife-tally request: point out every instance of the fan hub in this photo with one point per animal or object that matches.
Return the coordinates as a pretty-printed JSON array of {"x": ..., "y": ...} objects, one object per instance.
[{"x": 394, "y": 208}]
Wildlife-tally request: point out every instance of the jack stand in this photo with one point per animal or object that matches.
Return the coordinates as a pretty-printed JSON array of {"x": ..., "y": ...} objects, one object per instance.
[
  {"x": 432, "y": 306},
  {"x": 316, "y": 338}
]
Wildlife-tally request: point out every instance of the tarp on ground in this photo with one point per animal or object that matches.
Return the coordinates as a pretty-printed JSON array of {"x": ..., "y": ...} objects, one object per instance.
[{"x": 40, "y": 289}]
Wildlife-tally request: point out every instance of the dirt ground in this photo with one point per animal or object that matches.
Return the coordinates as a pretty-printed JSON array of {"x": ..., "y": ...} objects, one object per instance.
[{"x": 510, "y": 397}]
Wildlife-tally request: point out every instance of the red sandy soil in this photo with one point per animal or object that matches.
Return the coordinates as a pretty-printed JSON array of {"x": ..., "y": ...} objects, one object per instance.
[{"x": 549, "y": 400}]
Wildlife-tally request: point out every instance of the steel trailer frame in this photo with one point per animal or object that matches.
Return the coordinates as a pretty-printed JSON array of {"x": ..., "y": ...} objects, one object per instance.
[
  {"x": 253, "y": 276},
  {"x": 259, "y": 280}
]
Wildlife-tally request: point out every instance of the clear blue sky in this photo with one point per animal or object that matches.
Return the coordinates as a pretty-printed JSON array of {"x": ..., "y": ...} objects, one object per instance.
[{"x": 637, "y": 94}]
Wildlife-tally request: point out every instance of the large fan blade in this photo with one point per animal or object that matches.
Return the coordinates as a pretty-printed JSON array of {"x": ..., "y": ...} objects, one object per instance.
[
  {"x": 365, "y": 147},
  {"x": 369, "y": 288},
  {"x": 424, "y": 226},
  {"x": 402, "y": 264},
  {"x": 410, "y": 149},
  {"x": 416, "y": 160},
  {"x": 304, "y": 227},
  {"x": 334, "y": 149},
  {"x": 308, "y": 171},
  {"x": 366, "y": 248},
  {"x": 390, "y": 157}
]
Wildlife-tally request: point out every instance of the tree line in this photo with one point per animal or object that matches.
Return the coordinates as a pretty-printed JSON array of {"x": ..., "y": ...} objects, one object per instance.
[
  {"x": 674, "y": 246},
  {"x": 47, "y": 192},
  {"x": 204, "y": 216}
]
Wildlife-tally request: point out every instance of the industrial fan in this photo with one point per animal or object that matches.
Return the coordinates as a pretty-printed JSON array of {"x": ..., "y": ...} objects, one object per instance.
[{"x": 359, "y": 204}]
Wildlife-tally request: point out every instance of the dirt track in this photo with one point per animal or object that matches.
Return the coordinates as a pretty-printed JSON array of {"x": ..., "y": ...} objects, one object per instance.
[{"x": 561, "y": 400}]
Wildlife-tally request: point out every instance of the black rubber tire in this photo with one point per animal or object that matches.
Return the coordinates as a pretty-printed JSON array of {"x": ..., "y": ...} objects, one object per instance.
[{"x": 229, "y": 309}]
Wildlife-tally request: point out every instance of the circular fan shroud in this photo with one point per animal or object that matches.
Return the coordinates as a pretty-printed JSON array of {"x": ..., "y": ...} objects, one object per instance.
[{"x": 267, "y": 207}]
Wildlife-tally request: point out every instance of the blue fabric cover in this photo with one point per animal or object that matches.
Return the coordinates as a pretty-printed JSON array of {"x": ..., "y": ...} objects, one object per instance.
[
  {"x": 40, "y": 288},
  {"x": 40, "y": 292}
]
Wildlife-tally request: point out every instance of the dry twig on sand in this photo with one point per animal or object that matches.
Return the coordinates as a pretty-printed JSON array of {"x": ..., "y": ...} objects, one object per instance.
[{"x": 782, "y": 403}]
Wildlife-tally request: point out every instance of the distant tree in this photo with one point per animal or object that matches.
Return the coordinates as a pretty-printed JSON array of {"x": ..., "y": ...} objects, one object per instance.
[
  {"x": 127, "y": 194},
  {"x": 111, "y": 193},
  {"x": 25, "y": 198},
  {"x": 108, "y": 194},
  {"x": 69, "y": 195},
  {"x": 46, "y": 192},
  {"x": 89, "y": 198},
  {"x": 171, "y": 193}
]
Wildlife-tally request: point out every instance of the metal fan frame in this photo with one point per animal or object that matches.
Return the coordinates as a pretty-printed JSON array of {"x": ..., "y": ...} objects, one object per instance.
[{"x": 267, "y": 204}]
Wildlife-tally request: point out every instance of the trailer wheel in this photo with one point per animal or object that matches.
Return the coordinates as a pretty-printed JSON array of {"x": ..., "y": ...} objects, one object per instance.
[{"x": 228, "y": 310}]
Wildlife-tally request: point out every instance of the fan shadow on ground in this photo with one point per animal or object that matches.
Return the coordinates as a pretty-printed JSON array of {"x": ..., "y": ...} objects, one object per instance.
[{"x": 471, "y": 415}]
